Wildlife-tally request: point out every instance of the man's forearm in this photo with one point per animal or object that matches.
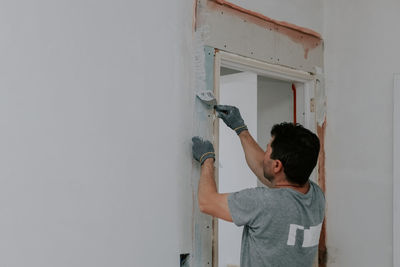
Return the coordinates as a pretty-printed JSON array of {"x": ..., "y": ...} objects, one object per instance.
[
  {"x": 254, "y": 155},
  {"x": 210, "y": 202},
  {"x": 207, "y": 185}
]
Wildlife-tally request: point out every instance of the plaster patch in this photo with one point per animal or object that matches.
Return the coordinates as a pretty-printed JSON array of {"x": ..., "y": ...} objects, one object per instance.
[
  {"x": 199, "y": 58},
  {"x": 309, "y": 39},
  {"x": 194, "y": 25},
  {"x": 320, "y": 97},
  {"x": 263, "y": 17},
  {"x": 202, "y": 126}
]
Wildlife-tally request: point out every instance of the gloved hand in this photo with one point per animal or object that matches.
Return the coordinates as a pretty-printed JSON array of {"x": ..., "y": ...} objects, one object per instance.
[
  {"x": 231, "y": 116},
  {"x": 202, "y": 149}
]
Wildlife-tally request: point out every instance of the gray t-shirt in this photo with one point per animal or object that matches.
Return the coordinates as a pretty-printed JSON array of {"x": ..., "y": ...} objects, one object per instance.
[{"x": 281, "y": 226}]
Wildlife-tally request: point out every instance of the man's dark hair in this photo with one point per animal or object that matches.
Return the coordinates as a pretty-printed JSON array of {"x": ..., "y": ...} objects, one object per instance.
[{"x": 297, "y": 148}]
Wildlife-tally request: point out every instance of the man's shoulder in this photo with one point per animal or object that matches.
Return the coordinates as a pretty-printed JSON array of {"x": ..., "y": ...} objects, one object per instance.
[
  {"x": 317, "y": 189},
  {"x": 255, "y": 193}
]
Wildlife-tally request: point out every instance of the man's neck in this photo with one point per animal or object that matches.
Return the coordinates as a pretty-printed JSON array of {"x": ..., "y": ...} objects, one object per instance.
[{"x": 300, "y": 188}]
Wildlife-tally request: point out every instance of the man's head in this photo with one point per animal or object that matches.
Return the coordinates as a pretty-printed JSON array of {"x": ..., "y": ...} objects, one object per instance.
[{"x": 292, "y": 151}]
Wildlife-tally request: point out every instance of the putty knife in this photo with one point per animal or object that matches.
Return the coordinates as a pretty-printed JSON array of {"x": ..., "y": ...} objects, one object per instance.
[{"x": 208, "y": 98}]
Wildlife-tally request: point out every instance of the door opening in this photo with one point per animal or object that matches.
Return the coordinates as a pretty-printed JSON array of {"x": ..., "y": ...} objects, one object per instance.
[{"x": 264, "y": 97}]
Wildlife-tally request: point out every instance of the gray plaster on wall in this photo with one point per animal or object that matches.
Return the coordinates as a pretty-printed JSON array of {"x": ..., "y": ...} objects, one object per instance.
[{"x": 229, "y": 32}]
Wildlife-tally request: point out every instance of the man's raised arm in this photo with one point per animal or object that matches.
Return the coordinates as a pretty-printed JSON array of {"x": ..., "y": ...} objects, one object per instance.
[{"x": 254, "y": 154}]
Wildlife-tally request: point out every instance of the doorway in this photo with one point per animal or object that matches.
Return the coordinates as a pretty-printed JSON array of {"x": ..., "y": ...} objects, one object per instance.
[{"x": 265, "y": 96}]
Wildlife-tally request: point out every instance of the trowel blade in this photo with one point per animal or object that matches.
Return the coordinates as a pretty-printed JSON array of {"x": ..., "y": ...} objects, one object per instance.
[{"x": 207, "y": 97}]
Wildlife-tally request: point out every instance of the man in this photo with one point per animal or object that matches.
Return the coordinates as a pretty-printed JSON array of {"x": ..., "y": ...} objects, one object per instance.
[{"x": 282, "y": 222}]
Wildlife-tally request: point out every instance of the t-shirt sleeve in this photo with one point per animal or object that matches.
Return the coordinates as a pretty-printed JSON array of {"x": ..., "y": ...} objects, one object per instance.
[{"x": 245, "y": 206}]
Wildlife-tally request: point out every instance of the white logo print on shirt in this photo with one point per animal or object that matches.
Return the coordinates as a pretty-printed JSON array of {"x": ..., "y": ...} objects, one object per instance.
[{"x": 311, "y": 236}]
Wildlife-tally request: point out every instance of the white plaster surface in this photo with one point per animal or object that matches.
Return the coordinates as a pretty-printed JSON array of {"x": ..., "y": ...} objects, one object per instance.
[
  {"x": 96, "y": 113},
  {"x": 362, "y": 53},
  {"x": 303, "y": 13},
  {"x": 239, "y": 90}
]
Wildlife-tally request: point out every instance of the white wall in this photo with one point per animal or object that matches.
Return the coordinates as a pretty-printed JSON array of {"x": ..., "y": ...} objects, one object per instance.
[
  {"x": 95, "y": 117},
  {"x": 304, "y": 13},
  {"x": 361, "y": 55}
]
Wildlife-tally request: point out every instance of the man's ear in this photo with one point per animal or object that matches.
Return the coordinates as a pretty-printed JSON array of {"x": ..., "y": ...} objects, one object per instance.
[{"x": 277, "y": 166}]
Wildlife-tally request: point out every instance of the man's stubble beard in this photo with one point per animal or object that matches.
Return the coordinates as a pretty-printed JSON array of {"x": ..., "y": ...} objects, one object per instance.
[{"x": 268, "y": 176}]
